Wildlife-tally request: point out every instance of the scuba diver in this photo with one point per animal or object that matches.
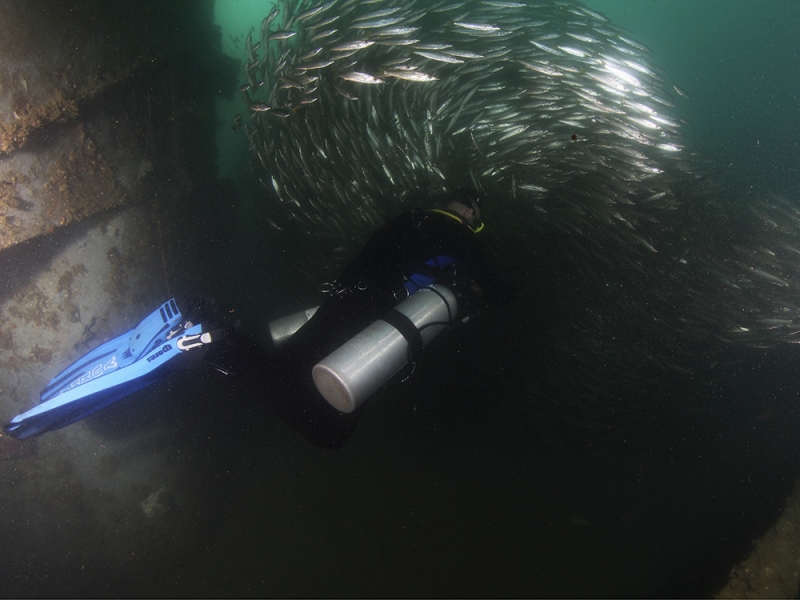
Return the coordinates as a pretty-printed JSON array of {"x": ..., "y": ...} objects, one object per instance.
[
  {"x": 405, "y": 286},
  {"x": 403, "y": 258}
]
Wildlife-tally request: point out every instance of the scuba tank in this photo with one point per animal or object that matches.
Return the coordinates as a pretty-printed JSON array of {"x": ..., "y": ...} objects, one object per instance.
[
  {"x": 348, "y": 376},
  {"x": 282, "y": 329}
]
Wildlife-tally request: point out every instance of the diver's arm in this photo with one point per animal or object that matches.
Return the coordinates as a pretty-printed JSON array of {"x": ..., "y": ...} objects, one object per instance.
[
  {"x": 456, "y": 240},
  {"x": 497, "y": 290},
  {"x": 482, "y": 270}
]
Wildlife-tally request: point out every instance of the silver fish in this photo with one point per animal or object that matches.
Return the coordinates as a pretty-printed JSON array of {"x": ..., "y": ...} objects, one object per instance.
[
  {"x": 353, "y": 45},
  {"x": 377, "y": 23},
  {"x": 377, "y": 14},
  {"x": 476, "y": 26},
  {"x": 269, "y": 18},
  {"x": 318, "y": 37},
  {"x": 681, "y": 92},
  {"x": 313, "y": 12},
  {"x": 445, "y": 58},
  {"x": 281, "y": 35},
  {"x": 321, "y": 64},
  {"x": 359, "y": 77},
  {"x": 410, "y": 75}
]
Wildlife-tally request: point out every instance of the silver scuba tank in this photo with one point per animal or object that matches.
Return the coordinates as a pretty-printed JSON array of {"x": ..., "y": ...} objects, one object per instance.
[
  {"x": 348, "y": 376},
  {"x": 282, "y": 329}
]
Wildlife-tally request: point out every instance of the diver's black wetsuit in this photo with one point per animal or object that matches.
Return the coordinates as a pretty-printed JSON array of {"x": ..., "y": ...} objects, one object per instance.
[{"x": 366, "y": 289}]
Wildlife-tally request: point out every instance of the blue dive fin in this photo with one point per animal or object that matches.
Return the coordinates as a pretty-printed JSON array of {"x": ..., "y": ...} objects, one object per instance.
[{"x": 110, "y": 372}]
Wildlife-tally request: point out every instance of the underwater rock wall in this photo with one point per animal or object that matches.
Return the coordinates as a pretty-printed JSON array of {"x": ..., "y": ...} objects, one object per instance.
[
  {"x": 106, "y": 181},
  {"x": 99, "y": 146},
  {"x": 60, "y": 160}
]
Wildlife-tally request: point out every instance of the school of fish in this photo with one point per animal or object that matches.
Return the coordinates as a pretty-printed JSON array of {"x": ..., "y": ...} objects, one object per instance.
[{"x": 570, "y": 135}]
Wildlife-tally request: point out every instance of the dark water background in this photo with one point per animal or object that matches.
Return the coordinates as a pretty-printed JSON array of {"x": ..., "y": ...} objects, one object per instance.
[{"x": 452, "y": 486}]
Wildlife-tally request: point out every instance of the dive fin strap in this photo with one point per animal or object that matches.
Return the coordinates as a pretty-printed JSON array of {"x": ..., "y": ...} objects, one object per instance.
[{"x": 190, "y": 342}]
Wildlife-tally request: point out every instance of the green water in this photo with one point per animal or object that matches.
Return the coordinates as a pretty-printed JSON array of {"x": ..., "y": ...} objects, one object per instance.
[
  {"x": 738, "y": 60},
  {"x": 448, "y": 497}
]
